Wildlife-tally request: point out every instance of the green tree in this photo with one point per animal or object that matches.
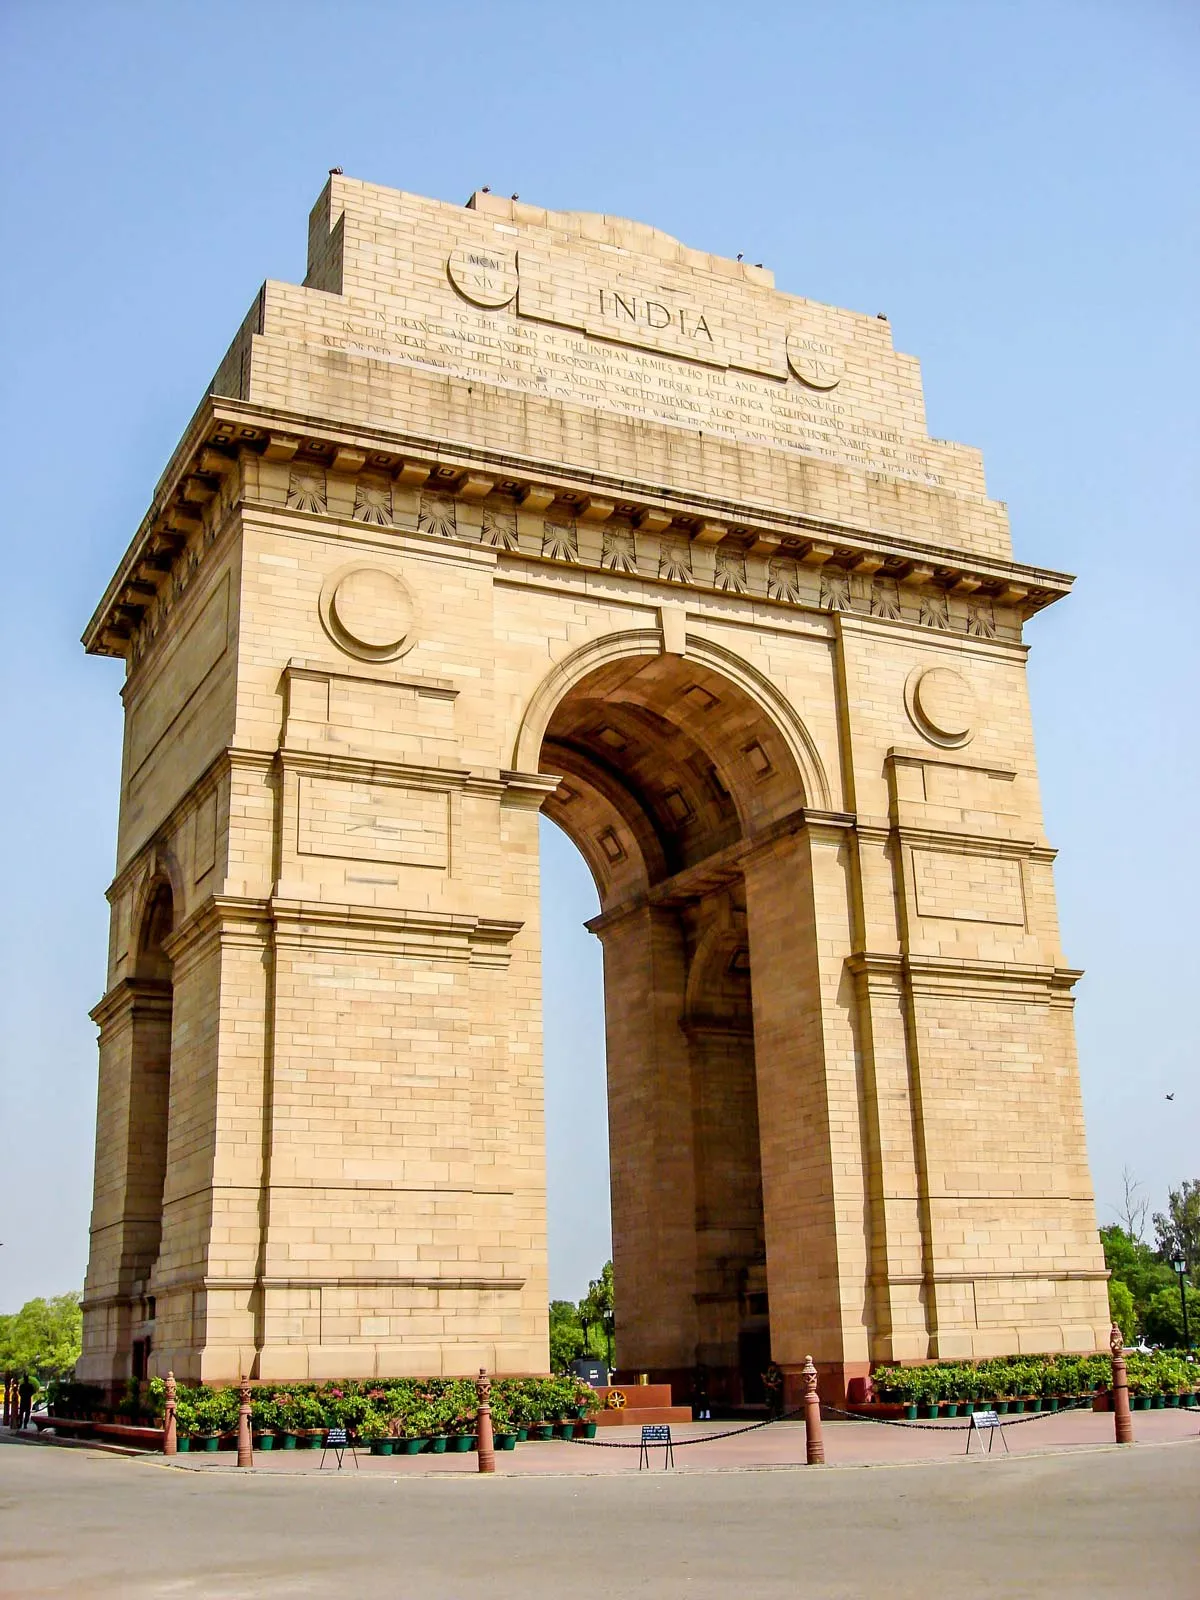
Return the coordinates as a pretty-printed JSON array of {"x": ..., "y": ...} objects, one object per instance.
[
  {"x": 597, "y": 1311},
  {"x": 1162, "y": 1320},
  {"x": 566, "y": 1335},
  {"x": 1178, "y": 1231},
  {"x": 1137, "y": 1266},
  {"x": 43, "y": 1339},
  {"x": 1121, "y": 1309}
]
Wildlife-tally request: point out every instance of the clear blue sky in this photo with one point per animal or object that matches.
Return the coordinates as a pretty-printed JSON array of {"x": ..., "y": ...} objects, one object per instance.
[{"x": 1013, "y": 184}]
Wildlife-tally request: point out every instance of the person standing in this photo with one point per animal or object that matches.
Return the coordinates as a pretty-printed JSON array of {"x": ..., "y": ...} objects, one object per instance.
[
  {"x": 701, "y": 1406},
  {"x": 26, "y": 1393}
]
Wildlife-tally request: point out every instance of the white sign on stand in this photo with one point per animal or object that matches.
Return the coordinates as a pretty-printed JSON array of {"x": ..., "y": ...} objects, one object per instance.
[{"x": 986, "y": 1423}]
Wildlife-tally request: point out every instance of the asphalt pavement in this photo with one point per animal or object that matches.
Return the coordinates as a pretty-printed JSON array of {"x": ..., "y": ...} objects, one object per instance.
[{"x": 1089, "y": 1523}]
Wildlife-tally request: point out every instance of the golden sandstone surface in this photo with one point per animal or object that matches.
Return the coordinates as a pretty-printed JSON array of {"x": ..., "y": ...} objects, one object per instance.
[{"x": 505, "y": 511}]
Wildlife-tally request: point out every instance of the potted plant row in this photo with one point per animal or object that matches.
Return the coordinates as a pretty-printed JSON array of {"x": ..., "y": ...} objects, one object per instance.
[
  {"x": 402, "y": 1416},
  {"x": 1016, "y": 1384}
]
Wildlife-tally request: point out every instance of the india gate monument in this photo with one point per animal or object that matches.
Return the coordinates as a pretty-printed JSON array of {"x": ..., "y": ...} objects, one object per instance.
[{"x": 507, "y": 512}]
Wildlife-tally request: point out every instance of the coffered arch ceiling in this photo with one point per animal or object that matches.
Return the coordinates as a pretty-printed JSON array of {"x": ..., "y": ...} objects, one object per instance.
[{"x": 666, "y": 763}]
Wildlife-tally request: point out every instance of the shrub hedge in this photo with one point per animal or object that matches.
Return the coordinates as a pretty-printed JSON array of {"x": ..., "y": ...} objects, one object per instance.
[
  {"x": 1012, "y": 1377},
  {"x": 410, "y": 1408}
]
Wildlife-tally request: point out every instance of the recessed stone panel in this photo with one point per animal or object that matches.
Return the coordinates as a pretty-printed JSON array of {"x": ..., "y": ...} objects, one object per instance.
[
  {"x": 966, "y": 887},
  {"x": 374, "y": 822}
]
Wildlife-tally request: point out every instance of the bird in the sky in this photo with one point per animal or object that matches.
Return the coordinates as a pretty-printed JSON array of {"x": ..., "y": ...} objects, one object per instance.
[{"x": 1170, "y": 1097}]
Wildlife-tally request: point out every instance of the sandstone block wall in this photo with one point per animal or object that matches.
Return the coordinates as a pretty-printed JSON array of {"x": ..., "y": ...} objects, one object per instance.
[{"x": 507, "y": 510}]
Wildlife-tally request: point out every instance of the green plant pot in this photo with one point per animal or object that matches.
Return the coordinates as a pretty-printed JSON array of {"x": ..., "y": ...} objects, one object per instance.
[
  {"x": 1159, "y": 1401},
  {"x": 1172, "y": 1400},
  {"x": 437, "y": 1445},
  {"x": 951, "y": 1408},
  {"x": 287, "y": 1441},
  {"x": 210, "y": 1442},
  {"x": 264, "y": 1441},
  {"x": 910, "y": 1413},
  {"x": 1000, "y": 1407},
  {"x": 1139, "y": 1402},
  {"x": 966, "y": 1408},
  {"x": 315, "y": 1441},
  {"x": 410, "y": 1447},
  {"x": 506, "y": 1441},
  {"x": 1191, "y": 1398},
  {"x": 459, "y": 1444},
  {"x": 588, "y": 1429},
  {"x": 1050, "y": 1402},
  {"x": 183, "y": 1443},
  {"x": 565, "y": 1430},
  {"x": 544, "y": 1430},
  {"x": 929, "y": 1408},
  {"x": 522, "y": 1435},
  {"x": 381, "y": 1447}
]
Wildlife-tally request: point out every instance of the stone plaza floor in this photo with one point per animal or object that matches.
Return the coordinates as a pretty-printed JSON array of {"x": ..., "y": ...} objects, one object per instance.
[
  {"x": 782, "y": 1444},
  {"x": 896, "y": 1513}
]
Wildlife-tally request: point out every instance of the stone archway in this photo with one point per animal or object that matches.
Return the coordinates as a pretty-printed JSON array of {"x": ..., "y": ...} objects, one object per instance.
[
  {"x": 447, "y": 542},
  {"x": 132, "y": 1146},
  {"x": 673, "y": 777}
]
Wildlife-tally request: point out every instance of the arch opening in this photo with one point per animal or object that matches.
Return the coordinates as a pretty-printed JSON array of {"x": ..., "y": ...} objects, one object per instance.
[
  {"x": 670, "y": 770},
  {"x": 148, "y": 1116}
]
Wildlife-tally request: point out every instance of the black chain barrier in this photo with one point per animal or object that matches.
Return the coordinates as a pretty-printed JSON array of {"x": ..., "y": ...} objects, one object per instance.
[
  {"x": 952, "y": 1426},
  {"x": 707, "y": 1438},
  {"x": 949, "y": 1426}
]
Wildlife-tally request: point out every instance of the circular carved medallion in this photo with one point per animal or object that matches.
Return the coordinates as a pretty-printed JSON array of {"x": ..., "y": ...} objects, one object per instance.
[
  {"x": 368, "y": 612},
  {"x": 815, "y": 361},
  {"x": 483, "y": 275},
  {"x": 941, "y": 705}
]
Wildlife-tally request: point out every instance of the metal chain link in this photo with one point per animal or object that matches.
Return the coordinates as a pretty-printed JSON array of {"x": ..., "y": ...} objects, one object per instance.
[
  {"x": 851, "y": 1416},
  {"x": 707, "y": 1438},
  {"x": 954, "y": 1426}
]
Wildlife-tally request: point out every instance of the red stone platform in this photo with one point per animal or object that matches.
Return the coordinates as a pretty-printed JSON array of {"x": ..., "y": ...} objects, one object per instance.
[{"x": 644, "y": 1403}]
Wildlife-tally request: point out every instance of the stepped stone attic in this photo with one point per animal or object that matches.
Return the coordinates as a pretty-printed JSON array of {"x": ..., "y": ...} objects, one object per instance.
[{"x": 507, "y": 511}]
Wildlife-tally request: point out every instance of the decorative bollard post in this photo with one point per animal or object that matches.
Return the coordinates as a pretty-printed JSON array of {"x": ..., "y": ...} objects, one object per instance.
[
  {"x": 245, "y": 1442},
  {"x": 170, "y": 1432},
  {"x": 1120, "y": 1388},
  {"x": 483, "y": 1423},
  {"x": 812, "y": 1415}
]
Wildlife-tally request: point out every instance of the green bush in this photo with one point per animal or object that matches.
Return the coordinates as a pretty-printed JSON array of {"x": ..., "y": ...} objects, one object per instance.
[
  {"x": 217, "y": 1410},
  {"x": 1005, "y": 1378},
  {"x": 403, "y": 1407},
  {"x": 1121, "y": 1309},
  {"x": 1162, "y": 1319}
]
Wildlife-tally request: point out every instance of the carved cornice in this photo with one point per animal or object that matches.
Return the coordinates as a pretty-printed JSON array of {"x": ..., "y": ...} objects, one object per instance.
[
  {"x": 964, "y": 978},
  {"x": 862, "y": 570},
  {"x": 397, "y": 1281},
  {"x": 972, "y": 844},
  {"x": 481, "y": 941},
  {"x": 149, "y": 996}
]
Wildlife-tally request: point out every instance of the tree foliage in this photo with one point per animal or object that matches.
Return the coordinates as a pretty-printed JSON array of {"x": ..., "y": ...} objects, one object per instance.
[
  {"x": 1162, "y": 1320},
  {"x": 43, "y": 1339},
  {"x": 1121, "y": 1309},
  {"x": 1145, "y": 1272},
  {"x": 1178, "y": 1231},
  {"x": 584, "y": 1330}
]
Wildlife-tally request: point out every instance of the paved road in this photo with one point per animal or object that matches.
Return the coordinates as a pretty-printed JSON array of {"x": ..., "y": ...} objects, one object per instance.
[{"x": 1086, "y": 1526}]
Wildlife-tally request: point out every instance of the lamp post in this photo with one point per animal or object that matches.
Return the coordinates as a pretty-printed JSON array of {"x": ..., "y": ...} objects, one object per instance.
[{"x": 1180, "y": 1265}]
